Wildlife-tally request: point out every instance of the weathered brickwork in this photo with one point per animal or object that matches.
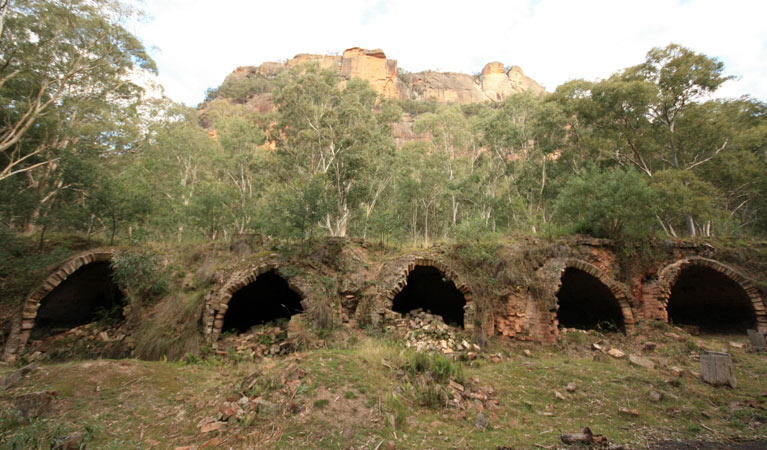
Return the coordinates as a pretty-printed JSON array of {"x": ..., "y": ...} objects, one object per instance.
[
  {"x": 22, "y": 327},
  {"x": 551, "y": 277},
  {"x": 657, "y": 293},
  {"x": 217, "y": 299},
  {"x": 394, "y": 279},
  {"x": 524, "y": 312}
]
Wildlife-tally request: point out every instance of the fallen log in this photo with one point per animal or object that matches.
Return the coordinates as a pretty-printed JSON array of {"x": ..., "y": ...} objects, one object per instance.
[{"x": 584, "y": 437}]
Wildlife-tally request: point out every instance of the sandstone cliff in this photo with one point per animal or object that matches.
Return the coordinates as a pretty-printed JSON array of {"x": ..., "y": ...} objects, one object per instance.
[{"x": 494, "y": 83}]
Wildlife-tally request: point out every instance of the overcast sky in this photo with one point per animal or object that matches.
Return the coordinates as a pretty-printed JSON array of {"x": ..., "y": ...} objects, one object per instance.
[{"x": 197, "y": 43}]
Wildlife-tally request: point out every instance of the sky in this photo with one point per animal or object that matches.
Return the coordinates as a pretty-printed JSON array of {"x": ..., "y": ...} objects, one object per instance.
[{"x": 197, "y": 43}]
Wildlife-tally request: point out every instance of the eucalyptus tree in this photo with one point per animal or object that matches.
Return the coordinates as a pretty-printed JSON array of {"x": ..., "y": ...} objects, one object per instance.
[
  {"x": 450, "y": 133},
  {"x": 333, "y": 133},
  {"x": 658, "y": 118},
  {"x": 65, "y": 87}
]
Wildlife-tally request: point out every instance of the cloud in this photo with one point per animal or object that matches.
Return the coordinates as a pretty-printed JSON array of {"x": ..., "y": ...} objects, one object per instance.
[{"x": 552, "y": 40}]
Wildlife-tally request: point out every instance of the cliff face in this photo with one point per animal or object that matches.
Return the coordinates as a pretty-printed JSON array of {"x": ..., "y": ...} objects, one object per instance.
[{"x": 494, "y": 83}]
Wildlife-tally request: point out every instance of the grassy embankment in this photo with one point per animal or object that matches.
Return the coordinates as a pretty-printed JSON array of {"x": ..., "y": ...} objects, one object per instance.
[{"x": 363, "y": 389}]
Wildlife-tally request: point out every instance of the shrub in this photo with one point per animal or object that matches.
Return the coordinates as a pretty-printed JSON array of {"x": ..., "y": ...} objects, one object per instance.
[
  {"x": 612, "y": 203},
  {"x": 140, "y": 274},
  {"x": 438, "y": 367}
]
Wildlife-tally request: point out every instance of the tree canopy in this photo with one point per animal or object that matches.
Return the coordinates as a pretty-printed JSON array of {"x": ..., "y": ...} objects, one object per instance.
[{"x": 647, "y": 151}]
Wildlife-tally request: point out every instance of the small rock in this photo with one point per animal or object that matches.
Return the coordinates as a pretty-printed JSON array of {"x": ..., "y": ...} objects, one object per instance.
[
  {"x": 227, "y": 410},
  {"x": 737, "y": 344},
  {"x": 649, "y": 346},
  {"x": 676, "y": 371},
  {"x": 35, "y": 404},
  {"x": 595, "y": 346},
  {"x": 676, "y": 382},
  {"x": 72, "y": 442},
  {"x": 571, "y": 387},
  {"x": 655, "y": 396},
  {"x": 615, "y": 353},
  {"x": 264, "y": 407},
  {"x": 558, "y": 395},
  {"x": 641, "y": 362},
  {"x": 215, "y": 442},
  {"x": 527, "y": 353},
  {"x": 15, "y": 377},
  {"x": 481, "y": 423},
  {"x": 212, "y": 426},
  {"x": 630, "y": 412}
]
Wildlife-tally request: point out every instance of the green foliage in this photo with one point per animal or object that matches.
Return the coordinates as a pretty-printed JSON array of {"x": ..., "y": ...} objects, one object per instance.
[
  {"x": 418, "y": 107},
  {"x": 681, "y": 194},
  {"x": 325, "y": 161},
  {"x": 239, "y": 89},
  {"x": 321, "y": 403},
  {"x": 332, "y": 135},
  {"x": 612, "y": 203},
  {"x": 67, "y": 70},
  {"x": 398, "y": 410},
  {"x": 427, "y": 373},
  {"x": 141, "y": 274},
  {"x": 23, "y": 263},
  {"x": 436, "y": 366}
]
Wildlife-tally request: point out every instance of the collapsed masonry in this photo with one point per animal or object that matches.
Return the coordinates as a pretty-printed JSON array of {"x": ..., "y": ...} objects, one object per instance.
[{"x": 575, "y": 292}]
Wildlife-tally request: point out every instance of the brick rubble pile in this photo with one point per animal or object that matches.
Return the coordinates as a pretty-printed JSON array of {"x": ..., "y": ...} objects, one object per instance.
[
  {"x": 427, "y": 332},
  {"x": 257, "y": 342}
]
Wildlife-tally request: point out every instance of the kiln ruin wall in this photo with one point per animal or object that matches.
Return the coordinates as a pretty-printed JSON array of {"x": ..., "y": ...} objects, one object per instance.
[{"x": 530, "y": 291}]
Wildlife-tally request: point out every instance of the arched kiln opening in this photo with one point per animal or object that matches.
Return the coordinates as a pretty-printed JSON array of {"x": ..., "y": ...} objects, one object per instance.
[
  {"x": 87, "y": 295},
  {"x": 264, "y": 300},
  {"x": 428, "y": 289},
  {"x": 586, "y": 303},
  {"x": 710, "y": 300}
]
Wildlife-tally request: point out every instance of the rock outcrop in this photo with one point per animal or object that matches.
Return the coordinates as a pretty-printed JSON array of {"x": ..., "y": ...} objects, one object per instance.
[
  {"x": 495, "y": 82},
  {"x": 369, "y": 65},
  {"x": 373, "y": 66}
]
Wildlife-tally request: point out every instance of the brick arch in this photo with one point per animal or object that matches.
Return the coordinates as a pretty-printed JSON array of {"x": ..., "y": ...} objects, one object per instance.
[
  {"x": 669, "y": 275},
  {"x": 469, "y": 309},
  {"x": 22, "y": 327},
  {"x": 621, "y": 293},
  {"x": 217, "y": 300}
]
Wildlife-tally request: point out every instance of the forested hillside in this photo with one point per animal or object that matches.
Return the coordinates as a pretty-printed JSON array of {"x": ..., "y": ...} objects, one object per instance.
[{"x": 646, "y": 151}]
